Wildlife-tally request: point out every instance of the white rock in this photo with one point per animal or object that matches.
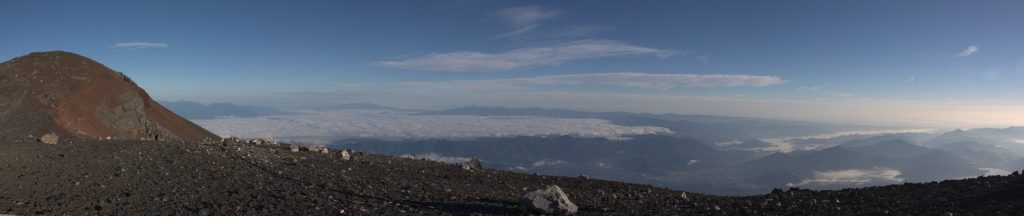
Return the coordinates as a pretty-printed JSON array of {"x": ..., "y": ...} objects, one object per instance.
[
  {"x": 346, "y": 155},
  {"x": 551, "y": 201},
  {"x": 50, "y": 138}
]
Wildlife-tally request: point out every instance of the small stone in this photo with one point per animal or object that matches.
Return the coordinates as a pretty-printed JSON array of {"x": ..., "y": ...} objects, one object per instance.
[
  {"x": 50, "y": 138},
  {"x": 295, "y": 148}
]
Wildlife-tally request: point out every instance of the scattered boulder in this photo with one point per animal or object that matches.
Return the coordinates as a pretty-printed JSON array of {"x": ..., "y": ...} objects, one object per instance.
[
  {"x": 231, "y": 141},
  {"x": 312, "y": 148},
  {"x": 324, "y": 150},
  {"x": 346, "y": 154},
  {"x": 50, "y": 138},
  {"x": 473, "y": 164},
  {"x": 295, "y": 148},
  {"x": 551, "y": 201}
]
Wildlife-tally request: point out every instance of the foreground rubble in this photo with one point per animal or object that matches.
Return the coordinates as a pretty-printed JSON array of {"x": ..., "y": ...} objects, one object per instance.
[{"x": 239, "y": 178}]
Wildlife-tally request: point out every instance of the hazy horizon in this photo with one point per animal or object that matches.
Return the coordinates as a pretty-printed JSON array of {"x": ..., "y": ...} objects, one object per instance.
[{"x": 936, "y": 64}]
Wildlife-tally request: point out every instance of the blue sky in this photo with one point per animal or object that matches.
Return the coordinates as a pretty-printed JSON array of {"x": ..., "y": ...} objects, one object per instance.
[{"x": 918, "y": 63}]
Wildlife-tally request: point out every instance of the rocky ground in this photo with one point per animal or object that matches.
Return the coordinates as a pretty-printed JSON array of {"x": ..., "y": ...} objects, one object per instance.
[{"x": 80, "y": 177}]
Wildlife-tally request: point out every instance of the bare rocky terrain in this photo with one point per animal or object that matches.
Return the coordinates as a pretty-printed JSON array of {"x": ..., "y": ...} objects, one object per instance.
[
  {"x": 161, "y": 178},
  {"x": 85, "y": 177}
]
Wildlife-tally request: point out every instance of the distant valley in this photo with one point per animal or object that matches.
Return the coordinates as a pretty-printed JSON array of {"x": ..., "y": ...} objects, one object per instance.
[{"x": 709, "y": 154}]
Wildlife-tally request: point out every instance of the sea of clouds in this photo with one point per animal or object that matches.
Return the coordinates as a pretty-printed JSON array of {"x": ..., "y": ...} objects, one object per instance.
[{"x": 324, "y": 127}]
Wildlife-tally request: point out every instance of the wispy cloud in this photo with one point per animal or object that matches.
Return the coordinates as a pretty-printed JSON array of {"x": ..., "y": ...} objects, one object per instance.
[
  {"x": 703, "y": 59},
  {"x": 814, "y": 88},
  {"x": 527, "y": 16},
  {"x": 910, "y": 80},
  {"x": 525, "y": 19},
  {"x": 580, "y": 30},
  {"x": 523, "y": 57},
  {"x": 139, "y": 45},
  {"x": 969, "y": 51},
  {"x": 519, "y": 31},
  {"x": 628, "y": 80}
]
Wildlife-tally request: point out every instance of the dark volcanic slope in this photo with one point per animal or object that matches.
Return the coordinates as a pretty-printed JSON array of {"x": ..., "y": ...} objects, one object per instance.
[
  {"x": 160, "y": 178},
  {"x": 74, "y": 96},
  {"x": 157, "y": 178}
]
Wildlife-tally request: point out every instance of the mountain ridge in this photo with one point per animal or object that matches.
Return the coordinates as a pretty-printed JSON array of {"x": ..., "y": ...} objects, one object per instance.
[{"x": 73, "y": 96}]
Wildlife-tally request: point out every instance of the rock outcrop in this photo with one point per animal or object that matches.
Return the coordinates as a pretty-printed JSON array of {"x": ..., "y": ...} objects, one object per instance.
[
  {"x": 548, "y": 201},
  {"x": 77, "y": 97}
]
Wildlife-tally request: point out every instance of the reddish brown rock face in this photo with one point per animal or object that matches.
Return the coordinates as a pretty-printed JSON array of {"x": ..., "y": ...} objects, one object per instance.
[{"x": 75, "y": 96}]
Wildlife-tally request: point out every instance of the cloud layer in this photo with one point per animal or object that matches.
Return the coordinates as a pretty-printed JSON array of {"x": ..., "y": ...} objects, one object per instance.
[
  {"x": 140, "y": 45},
  {"x": 628, "y": 80},
  {"x": 877, "y": 175},
  {"x": 523, "y": 57},
  {"x": 439, "y": 158},
  {"x": 323, "y": 127}
]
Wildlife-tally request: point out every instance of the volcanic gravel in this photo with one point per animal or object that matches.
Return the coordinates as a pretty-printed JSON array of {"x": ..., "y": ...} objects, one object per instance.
[{"x": 89, "y": 177}]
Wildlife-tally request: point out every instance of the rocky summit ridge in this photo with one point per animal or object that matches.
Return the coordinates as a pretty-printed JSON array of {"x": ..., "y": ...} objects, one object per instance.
[{"x": 73, "y": 96}]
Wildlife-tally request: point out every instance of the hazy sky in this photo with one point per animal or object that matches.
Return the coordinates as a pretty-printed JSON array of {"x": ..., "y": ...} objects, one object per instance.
[{"x": 921, "y": 63}]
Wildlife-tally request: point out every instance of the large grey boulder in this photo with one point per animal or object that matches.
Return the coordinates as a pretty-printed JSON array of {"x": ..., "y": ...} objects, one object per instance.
[{"x": 550, "y": 201}]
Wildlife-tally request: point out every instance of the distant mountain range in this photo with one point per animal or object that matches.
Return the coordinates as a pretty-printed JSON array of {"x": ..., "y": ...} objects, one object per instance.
[
  {"x": 710, "y": 154},
  {"x": 195, "y": 110},
  {"x": 368, "y": 106},
  {"x": 690, "y": 164},
  {"x": 703, "y": 127}
]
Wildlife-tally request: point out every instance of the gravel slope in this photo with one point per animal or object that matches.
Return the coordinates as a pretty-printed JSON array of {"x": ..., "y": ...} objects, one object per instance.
[{"x": 81, "y": 177}]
